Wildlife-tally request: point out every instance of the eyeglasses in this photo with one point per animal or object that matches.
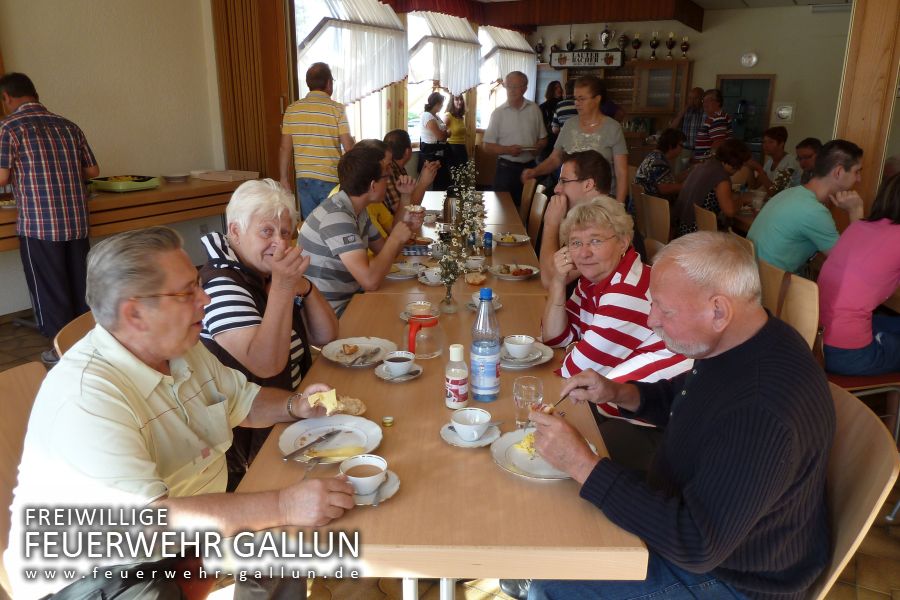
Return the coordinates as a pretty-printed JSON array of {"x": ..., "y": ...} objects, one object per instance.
[
  {"x": 584, "y": 98},
  {"x": 564, "y": 181},
  {"x": 594, "y": 243},
  {"x": 195, "y": 289}
]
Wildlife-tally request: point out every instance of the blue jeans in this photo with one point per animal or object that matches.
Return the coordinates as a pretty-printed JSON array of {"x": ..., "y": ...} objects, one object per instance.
[
  {"x": 312, "y": 192},
  {"x": 664, "y": 581},
  {"x": 881, "y": 356}
]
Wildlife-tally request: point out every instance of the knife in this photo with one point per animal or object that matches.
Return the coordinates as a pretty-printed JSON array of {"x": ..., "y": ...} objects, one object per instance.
[{"x": 302, "y": 449}]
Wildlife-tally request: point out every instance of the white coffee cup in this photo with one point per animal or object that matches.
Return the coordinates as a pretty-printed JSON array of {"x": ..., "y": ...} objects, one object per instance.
[
  {"x": 470, "y": 423},
  {"x": 399, "y": 363},
  {"x": 365, "y": 483},
  {"x": 433, "y": 274},
  {"x": 518, "y": 346},
  {"x": 475, "y": 262}
]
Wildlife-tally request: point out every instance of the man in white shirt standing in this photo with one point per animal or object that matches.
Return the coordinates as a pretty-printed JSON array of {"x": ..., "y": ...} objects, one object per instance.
[{"x": 516, "y": 133}]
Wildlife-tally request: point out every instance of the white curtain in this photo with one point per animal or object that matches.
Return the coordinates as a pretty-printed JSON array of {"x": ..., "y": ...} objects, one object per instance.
[
  {"x": 503, "y": 51},
  {"x": 364, "y": 43},
  {"x": 443, "y": 48}
]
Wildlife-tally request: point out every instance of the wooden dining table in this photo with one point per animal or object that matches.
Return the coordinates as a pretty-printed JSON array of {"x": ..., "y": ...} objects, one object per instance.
[{"x": 457, "y": 514}]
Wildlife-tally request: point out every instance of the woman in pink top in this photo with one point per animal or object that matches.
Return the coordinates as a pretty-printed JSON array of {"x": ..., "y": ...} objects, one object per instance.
[{"x": 862, "y": 271}]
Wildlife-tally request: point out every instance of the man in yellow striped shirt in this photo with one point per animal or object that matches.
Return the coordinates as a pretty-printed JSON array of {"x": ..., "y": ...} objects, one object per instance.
[{"x": 314, "y": 129}]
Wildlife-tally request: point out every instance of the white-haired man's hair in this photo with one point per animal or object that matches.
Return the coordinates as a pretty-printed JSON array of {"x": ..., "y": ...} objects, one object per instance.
[
  {"x": 715, "y": 261},
  {"x": 263, "y": 198}
]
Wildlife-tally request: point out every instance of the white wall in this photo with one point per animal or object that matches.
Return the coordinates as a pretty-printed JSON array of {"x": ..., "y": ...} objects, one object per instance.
[
  {"x": 138, "y": 76},
  {"x": 804, "y": 50}
]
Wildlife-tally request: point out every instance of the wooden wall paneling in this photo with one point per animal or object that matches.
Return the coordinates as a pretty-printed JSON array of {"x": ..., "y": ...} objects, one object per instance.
[
  {"x": 869, "y": 89},
  {"x": 529, "y": 13},
  {"x": 276, "y": 78}
]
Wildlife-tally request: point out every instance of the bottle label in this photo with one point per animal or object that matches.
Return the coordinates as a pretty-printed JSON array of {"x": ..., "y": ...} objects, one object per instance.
[
  {"x": 456, "y": 392},
  {"x": 485, "y": 376}
]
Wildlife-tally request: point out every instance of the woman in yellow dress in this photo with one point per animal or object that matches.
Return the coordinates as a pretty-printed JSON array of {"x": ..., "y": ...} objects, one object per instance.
[{"x": 456, "y": 125}]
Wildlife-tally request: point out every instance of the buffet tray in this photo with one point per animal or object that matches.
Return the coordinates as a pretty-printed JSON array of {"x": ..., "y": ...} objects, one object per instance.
[{"x": 119, "y": 183}]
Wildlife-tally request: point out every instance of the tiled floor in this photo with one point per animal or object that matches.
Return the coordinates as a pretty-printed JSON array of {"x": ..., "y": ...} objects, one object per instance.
[{"x": 873, "y": 573}]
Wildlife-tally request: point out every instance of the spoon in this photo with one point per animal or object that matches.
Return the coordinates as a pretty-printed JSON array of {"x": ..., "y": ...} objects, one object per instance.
[
  {"x": 310, "y": 466},
  {"x": 406, "y": 376},
  {"x": 377, "y": 491}
]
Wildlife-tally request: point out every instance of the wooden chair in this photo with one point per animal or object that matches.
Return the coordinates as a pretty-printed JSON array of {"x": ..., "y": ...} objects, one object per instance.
[
  {"x": 640, "y": 212},
  {"x": 20, "y": 386},
  {"x": 862, "y": 469},
  {"x": 706, "y": 219},
  {"x": 746, "y": 242},
  {"x": 72, "y": 332},
  {"x": 792, "y": 299},
  {"x": 659, "y": 222},
  {"x": 527, "y": 197},
  {"x": 536, "y": 216},
  {"x": 652, "y": 246}
]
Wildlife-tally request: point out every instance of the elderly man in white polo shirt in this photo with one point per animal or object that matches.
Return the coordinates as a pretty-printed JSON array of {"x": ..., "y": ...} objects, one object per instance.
[
  {"x": 516, "y": 133},
  {"x": 139, "y": 414}
]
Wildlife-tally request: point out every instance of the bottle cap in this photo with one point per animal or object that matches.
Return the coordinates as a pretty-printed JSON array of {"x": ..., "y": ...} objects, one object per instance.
[
  {"x": 456, "y": 353},
  {"x": 387, "y": 421},
  {"x": 485, "y": 294}
]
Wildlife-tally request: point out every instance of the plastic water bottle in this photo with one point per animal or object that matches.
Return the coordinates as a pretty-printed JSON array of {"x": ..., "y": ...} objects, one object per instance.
[
  {"x": 456, "y": 379},
  {"x": 484, "y": 380}
]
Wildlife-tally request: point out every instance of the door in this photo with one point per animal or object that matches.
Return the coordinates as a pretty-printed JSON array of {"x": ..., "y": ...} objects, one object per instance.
[{"x": 748, "y": 99}]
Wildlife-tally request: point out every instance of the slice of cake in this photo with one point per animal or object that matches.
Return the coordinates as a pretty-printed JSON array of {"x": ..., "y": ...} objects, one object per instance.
[
  {"x": 327, "y": 399},
  {"x": 527, "y": 444}
]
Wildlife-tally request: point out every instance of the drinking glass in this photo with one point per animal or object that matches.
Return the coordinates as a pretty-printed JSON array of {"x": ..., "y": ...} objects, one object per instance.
[{"x": 526, "y": 391}]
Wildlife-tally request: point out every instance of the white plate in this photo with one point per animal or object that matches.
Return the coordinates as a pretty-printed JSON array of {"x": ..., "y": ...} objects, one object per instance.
[
  {"x": 452, "y": 438},
  {"x": 407, "y": 271},
  {"x": 333, "y": 352},
  {"x": 472, "y": 306},
  {"x": 518, "y": 462},
  {"x": 386, "y": 492},
  {"x": 355, "y": 431},
  {"x": 404, "y": 315},
  {"x": 414, "y": 372},
  {"x": 495, "y": 271},
  {"x": 516, "y": 365},
  {"x": 520, "y": 239},
  {"x": 424, "y": 281}
]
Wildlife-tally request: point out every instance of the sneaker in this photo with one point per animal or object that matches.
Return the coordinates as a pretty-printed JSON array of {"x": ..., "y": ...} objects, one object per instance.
[
  {"x": 49, "y": 357},
  {"x": 515, "y": 588}
]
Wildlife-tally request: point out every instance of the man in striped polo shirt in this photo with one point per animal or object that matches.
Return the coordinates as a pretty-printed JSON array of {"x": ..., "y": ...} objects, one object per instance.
[
  {"x": 716, "y": 126},
  {"x": 314, "y": 129},
  {"x": 46, "y": 157},
  {"x": 338, "y": 234}
]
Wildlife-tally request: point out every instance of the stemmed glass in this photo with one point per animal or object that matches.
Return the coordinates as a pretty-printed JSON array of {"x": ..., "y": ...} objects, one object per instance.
[{"x": 527, "y": 391}]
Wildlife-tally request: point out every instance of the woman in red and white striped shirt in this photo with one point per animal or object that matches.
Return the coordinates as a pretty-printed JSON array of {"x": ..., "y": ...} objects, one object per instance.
[{"x": 605, "y": 319}]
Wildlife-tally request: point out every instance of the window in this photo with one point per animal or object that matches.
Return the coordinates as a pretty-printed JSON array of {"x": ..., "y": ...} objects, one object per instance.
[
  {"x": 416, "y": 97},
  {"x": 368, "y": 117},
  {"x": 488, "y": 97}
]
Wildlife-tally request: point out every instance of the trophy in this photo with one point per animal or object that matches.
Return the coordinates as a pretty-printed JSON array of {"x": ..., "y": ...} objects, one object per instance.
[
  {"x": 539, "y": 48},
  {"x": 654, "y": 44},
  {"x": 685, "y": 46},
  {"x": 670, "y": 43},
  {"x": 636, "y": 44},
  {"x": 606, "y": 36},
  {"x": 570, "y": 45},
  {"x": 623, "y": 43},
  {"x": 554, "y": 48},
  {"x": 586, "y": 43}
]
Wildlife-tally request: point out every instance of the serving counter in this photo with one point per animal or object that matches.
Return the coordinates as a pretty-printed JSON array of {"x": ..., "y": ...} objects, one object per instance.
[{"x": 111, "y": 212}]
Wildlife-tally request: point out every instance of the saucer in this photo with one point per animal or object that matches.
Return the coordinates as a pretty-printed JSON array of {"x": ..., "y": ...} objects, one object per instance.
[
  {"x": 414, "y": 372},
  {"x": 386, "y": 492},
  {"x": 452, "y": 438},
  {"x": 404, "y": 315}
]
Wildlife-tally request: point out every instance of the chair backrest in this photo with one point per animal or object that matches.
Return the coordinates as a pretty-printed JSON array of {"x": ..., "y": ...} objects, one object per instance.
[
  {"x": 791, "y": 298},
  {"x": 640, "y": 212},
  {"x": 862, "y": 469},
  {"x": 746, "y": 242},
  {"x": 527, "y": 196},
  {"x": 72, "y": 332},
  {"x": 652, "y": 247},
  {"x": 706, "y": 219},
  {"x": 536, "y": 216},
  {"x": 658, "y": 219},
  {"x": 20, "y": 385}
]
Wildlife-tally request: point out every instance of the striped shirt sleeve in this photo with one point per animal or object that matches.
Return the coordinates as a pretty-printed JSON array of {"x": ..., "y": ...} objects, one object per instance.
[{"x": 230, "y": 307}]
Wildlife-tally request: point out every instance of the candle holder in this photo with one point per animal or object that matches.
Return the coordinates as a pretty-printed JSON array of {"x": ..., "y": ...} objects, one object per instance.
[
  {"x": 670, "y": 45},
  {"x": 685, "y": 46},
  {"x": 654, "y": 44},
  {"x": 636, "y": 45}
]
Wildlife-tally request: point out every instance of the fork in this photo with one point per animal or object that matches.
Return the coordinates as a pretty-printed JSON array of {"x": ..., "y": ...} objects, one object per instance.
[
  {"x": 310, "y": 465},
  {"x": 365, "y": 356}
]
